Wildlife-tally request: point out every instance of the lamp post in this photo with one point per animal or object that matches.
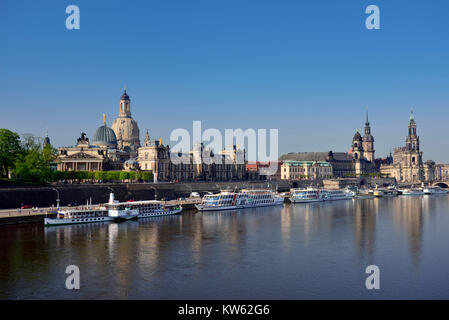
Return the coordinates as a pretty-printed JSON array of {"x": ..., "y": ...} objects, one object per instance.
[
  {"x": 155, "y": 192},
  {"x": 57, "y": 200}
]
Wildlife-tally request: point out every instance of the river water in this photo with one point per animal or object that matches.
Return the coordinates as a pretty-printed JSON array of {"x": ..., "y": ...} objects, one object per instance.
[{"x": 301, "y": 251}]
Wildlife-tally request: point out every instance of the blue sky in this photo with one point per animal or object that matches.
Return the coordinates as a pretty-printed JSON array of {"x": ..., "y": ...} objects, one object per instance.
[{"x": 308, "y": 68}]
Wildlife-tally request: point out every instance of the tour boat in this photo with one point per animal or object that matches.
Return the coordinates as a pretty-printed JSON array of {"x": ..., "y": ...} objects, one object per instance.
[
  {"x": 385, "y": 192},
  {"x": 336, "y": 194},
  {"x": 121, "y": 210},
  {"x": 305, "y": 195},
  {"x": 140, "y": 209},
  {"x": 246, "y": 198},
  {"x": 153, "y": 208},
  {"x": 73, "y": 216},
  {"x": 250, "y": 198},
  {"x": 434, "y": 190},
  {"x": 412, "y": 192}
]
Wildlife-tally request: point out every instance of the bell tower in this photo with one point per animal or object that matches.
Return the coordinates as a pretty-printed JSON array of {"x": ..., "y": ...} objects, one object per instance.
[
  {"x": 368, "y": 141},
  {"x": 125, "y": 105}
]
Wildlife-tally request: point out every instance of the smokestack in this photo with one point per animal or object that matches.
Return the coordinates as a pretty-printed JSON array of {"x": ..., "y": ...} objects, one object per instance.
[{"x": 111, "y": 198}]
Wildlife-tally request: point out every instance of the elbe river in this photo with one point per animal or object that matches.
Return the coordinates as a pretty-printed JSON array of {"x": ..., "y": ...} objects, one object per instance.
[{"x": 300, "y": 251}]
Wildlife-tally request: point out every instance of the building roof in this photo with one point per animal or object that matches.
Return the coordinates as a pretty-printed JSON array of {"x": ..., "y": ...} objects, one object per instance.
[
  {"x": 124, "y": 96},
  {"x": 104, "y": 136},
  {"x": 306, "y": 163},
  {"x": 316, "y": 156}
]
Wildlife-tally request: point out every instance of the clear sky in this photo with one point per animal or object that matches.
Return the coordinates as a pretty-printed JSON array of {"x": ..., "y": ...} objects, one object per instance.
[{"x": 308, "y": 68}]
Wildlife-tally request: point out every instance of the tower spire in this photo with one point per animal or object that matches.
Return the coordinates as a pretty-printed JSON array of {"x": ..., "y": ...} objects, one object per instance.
[{"x": 367, "y": 122}]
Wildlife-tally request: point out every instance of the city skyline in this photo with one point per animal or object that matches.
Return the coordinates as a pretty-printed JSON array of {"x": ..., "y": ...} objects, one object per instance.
[{"x": 294, "y": 67}]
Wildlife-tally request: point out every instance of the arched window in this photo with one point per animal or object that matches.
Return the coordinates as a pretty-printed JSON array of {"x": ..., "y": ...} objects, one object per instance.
[{"x": 356, "y": 156}]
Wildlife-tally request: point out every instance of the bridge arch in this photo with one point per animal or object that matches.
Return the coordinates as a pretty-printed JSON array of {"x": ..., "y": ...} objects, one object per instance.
[{"x": 442, "y": 184}]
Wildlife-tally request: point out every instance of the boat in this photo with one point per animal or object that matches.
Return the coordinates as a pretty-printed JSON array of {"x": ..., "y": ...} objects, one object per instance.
[
  {"x": 336, "y": 194},
  {"x": 153, "y": 208},
  {"x": 385, "y": 192},
  {"x": 302, "y": 195},
  {"x": 122, "y": 210},
  {"x": 74, "y": 216},
  {"x": 434, "y": 190},
  {"x": 140, "y": 209},
  {"x": 246, "y": 198},
  {"x": 412, "y": 192},
  {"x": 378, "y": 192}
]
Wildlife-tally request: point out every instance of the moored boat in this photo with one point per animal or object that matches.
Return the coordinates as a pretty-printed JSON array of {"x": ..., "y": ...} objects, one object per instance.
[
  {"x": 246, "y": 198},
  {"x": 412, "y": 192},
  {"x": 302, "y": 195},
  {"x": 74, "y": 216},
  {"x": 432, "y": 190},
  {"x": 336, "y": 194}
]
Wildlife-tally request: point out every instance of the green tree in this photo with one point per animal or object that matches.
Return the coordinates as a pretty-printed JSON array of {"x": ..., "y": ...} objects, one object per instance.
[
  {"x": 124, "y": 175},
  {"x": 10, "y": 149},
  {"x": 31, "y": 166}
]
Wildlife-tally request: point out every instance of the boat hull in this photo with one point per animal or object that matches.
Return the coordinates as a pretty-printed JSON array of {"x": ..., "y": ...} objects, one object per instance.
[{"x": 66, "y": 221}]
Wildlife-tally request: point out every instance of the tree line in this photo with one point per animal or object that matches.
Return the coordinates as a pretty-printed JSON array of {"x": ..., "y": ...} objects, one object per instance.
[
  {"x": 102, "y": 176},
  {"x": 27, "y": 159}
]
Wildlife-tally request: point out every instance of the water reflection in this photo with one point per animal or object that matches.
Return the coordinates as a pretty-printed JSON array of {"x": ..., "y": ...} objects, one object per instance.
[{"x": 239, "y": 252}]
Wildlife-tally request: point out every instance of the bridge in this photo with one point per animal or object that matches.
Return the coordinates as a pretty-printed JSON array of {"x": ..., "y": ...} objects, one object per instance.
[{"x": 442, "y": 184}]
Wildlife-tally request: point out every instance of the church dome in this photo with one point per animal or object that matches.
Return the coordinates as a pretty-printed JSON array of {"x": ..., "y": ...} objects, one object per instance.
[
  {"x": 105, "y": 136},
  {"x": 127, "y": 131},
  {"x": 357, "y": 136},
  {"x": 124, "y": 96}
]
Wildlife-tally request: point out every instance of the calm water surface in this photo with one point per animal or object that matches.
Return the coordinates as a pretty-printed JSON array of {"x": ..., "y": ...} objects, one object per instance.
[{"x": 302, "y": 251}]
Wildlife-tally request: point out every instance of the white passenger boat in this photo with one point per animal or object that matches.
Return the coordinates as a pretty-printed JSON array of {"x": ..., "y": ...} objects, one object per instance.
[
  {"x": 412, "y": 192},
  {"x": 140, "y": 209},
  {"x": 250, "y": 198},
  {"x": 336, "y": 194},
  {"x": 246, "y": 198},
  {"x": 434, "y": 190},
  {"x": 302, "y": 195},
  {"x": 74, "y": 216},
  {"x": 385, "y": 192}
]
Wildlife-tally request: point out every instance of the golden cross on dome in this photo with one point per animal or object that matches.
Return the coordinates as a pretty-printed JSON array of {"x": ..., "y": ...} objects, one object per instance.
[{"x": 104, "y": 118}]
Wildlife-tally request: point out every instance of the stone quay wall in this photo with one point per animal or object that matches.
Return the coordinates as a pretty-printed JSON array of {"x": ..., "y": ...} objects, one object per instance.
[{"x": 45, "y": 196}]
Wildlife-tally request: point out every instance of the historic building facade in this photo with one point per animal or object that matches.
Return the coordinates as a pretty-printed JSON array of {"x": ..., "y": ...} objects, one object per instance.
[
  {"x": 296, "y": 170},
  {"x": 358, "y": 161},
  {"x": 110, "y": 149},
  {"x": 407, "y": 163},
  {"x": 362, "y": 151},
  {"x": 155, "y": 156},
  {"x": 89, "y": 157}
]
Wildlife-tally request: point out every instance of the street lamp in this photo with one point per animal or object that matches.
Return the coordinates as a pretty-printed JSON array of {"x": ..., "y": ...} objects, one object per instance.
[
  {"x": 155, "y": 192},
  {"x": 57, "y": 200}
]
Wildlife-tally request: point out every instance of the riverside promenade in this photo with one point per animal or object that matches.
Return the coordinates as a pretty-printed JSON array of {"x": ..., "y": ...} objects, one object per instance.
[{"x": 36, "y": 215}]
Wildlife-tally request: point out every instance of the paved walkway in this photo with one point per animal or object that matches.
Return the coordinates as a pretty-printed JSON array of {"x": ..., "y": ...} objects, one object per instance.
[{"x": 40, "y": 211}]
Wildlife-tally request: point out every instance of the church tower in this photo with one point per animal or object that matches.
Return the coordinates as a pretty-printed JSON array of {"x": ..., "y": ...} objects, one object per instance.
[
  {"x": 357, "y": 146},
  {"x": 357, "y": 153},
  {"x": 412, "y": 141},
  {"x": 368, "y": 141},
  {"x": 125, "y": 127}
]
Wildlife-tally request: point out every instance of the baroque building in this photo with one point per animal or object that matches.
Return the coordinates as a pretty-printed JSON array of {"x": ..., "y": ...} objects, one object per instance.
[
  {"x": 362, "y": 151},
  {"x": 407, "y": 163},
  {"x": 358, "y": 161},
  {"x": 125, "y": 127},
  {"x": 155, "y": 156}
]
